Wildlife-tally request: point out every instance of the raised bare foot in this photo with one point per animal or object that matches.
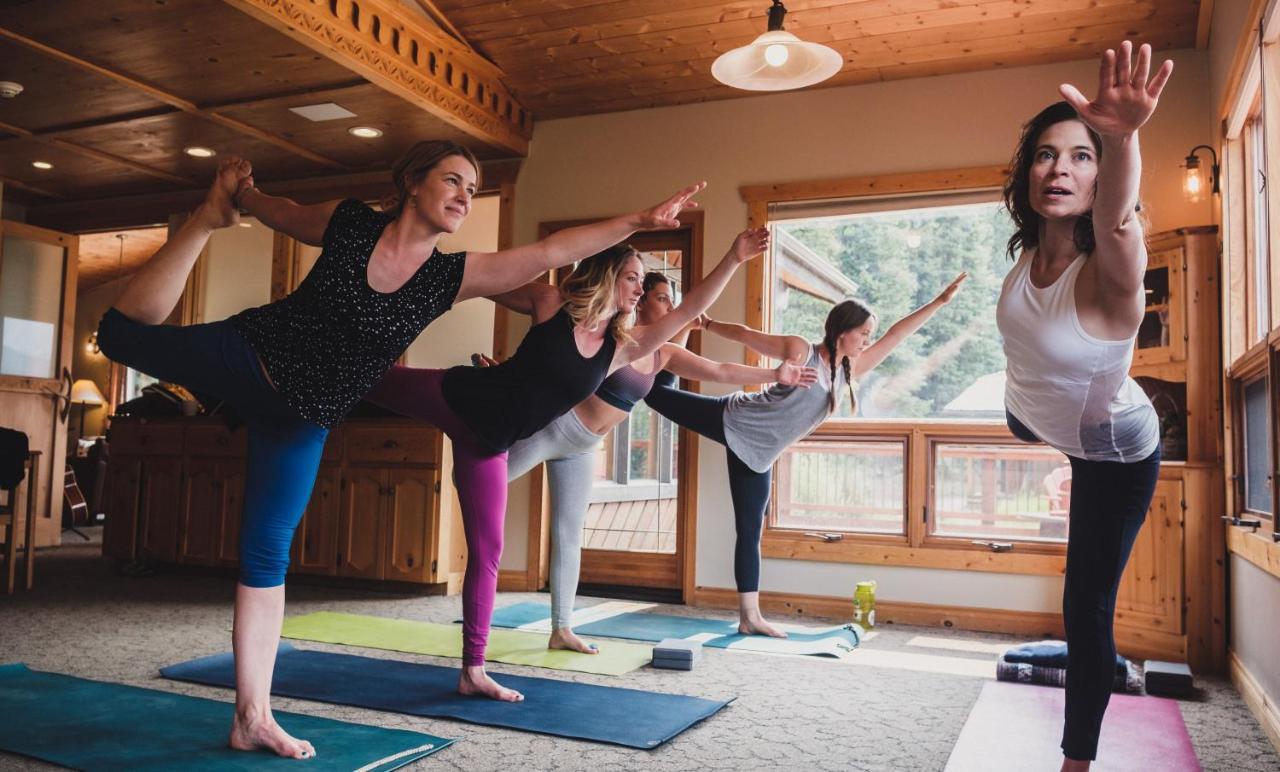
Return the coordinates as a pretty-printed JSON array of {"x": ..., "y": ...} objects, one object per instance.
[
  {"x": 475, "y": 682},
  {"x": 217, "y": 211},
  {"x": 756, "y": 625},
  {"x": 564, "y": 638},
  {"x": 263, "y": 733}
]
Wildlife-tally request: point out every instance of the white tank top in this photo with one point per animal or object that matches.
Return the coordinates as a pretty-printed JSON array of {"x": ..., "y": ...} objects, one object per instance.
[{"x": 1072, "y": 389}]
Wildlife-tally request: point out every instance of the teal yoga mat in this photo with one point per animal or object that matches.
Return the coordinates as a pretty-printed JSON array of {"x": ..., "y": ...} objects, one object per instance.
[
  {"x": 93, "y": 725},
  {"x": 838, "y": 641}
]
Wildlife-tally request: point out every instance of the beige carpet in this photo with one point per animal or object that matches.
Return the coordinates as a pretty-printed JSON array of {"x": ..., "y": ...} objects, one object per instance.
[{"x": 900, "y": 708}]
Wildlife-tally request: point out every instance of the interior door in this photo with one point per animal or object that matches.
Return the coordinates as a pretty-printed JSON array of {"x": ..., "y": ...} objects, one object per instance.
[
  {"x": 638, "y": 531},
  {"x": 37, "y": 319}
]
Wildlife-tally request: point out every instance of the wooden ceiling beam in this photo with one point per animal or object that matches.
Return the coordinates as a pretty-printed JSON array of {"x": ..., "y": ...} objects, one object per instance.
[
  {"x": 394, "y": 49},
  {"x": 172, "y": 100},
  {"x": 10, "y": 182},
  {"x": 1203, "y": 24},
  {"x": 99, "y": 155}
]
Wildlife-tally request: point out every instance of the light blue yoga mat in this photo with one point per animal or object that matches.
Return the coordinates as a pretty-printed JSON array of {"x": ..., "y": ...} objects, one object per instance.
[
  {"x": 93, "y": 725},
  {"x": 630, "y": 717},
  {"x": 716, "y": 633}
]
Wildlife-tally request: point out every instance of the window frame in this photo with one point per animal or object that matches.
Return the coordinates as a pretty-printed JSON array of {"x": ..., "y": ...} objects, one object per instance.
[{"x": 917, "y": 549}]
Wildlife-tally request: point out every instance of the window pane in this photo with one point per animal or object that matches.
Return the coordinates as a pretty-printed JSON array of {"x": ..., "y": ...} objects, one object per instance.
[
  {"x": 1257, "y": 448},
  {"x": 897, "y": 261},
  {"x": 831, "y": 485},
  {"x": 1000, "y": 492},
  {"x": 30, "y": 307},
  {"x": 633, "y": 500}
]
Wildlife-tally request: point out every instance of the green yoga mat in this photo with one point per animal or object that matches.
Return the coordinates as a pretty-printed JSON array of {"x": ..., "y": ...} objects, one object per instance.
[
  {"x": 93, "y": 725},
  {"x": 510, "y": 646}
]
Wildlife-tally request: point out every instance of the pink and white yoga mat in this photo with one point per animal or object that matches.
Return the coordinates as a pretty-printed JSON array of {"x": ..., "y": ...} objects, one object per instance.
[{"x": 1019, "y": 727}]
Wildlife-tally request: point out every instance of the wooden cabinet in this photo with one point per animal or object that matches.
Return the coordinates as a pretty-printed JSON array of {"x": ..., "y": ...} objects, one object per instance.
[
  {"x": 1171, "y": 598},
  {"x": 176, "y": 493}
]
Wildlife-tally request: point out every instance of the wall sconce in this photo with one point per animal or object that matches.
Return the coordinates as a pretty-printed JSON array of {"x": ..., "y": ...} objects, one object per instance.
[
  {"x": 777, "y": 60},
  {"x": 1193, "y": 184},
  {"x": 92, "y": 346}
]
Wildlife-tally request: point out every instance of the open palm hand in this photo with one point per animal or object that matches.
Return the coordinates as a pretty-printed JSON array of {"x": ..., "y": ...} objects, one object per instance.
[{"x": 1127, "y": 91}]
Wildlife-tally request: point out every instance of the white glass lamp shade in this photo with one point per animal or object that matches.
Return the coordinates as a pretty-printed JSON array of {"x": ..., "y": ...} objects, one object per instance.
[{"x": 776, "y": 61}]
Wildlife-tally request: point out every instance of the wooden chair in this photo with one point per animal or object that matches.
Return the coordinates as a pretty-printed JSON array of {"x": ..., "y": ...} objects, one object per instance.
[{"x": 9, "y": 521}]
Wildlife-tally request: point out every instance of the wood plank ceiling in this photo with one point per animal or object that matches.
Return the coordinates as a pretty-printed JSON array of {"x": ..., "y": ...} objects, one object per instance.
[
  {"x": 576, "y": 57},
  {"x": 114, "y": 91}
]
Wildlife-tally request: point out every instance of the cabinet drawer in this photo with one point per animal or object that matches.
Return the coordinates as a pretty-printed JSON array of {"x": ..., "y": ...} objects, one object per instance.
[
  {"x": 393, "y": 444},
  {"x": 216, "y": 441},
  {"x": 138, "y": 438}
]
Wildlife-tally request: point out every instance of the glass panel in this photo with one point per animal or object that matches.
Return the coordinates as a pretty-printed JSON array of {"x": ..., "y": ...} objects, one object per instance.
[
  {"x": 1255, "y": 185},
  {"x": 897, "y": 261},
  {"x": 30, "y": 307},
  {"x": 1257, "y": 448},
  {"x": 633, "y": 501},
  {"x": 832, "y": 485},
  {"x": 1154, "y": 331},
  {"x": 135, "y": 382},
  {"x": 1000, "y": 492}
]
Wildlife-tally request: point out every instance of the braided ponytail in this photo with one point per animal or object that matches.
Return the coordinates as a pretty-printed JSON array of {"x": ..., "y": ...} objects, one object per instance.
[{"x": 844, "y": 316}]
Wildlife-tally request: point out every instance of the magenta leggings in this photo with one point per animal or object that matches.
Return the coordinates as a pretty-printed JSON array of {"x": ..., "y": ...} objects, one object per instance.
[{"x": 480, "y": 476}]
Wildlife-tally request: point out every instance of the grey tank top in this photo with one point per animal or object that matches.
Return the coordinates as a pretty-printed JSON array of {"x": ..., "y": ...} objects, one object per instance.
[{"x": 759, "y": 426}]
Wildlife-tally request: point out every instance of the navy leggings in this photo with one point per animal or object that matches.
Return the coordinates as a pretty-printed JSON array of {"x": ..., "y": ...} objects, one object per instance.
[
  {"x": 748, "y": 488},
  {"x": 284, "y": 449},
  {"x": 1109, "y": 501}
]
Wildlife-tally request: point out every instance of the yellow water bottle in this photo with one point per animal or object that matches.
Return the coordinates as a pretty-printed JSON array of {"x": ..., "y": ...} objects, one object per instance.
[{"x": 864, "y": 605}]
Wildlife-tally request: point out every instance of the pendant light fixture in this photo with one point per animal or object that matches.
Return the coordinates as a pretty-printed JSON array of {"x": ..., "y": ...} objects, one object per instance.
[{"x": 777, "y": 60}]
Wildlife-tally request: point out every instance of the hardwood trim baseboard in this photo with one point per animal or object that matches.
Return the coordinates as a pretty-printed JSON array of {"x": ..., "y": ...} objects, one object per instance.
[
  {"x": 1262, "y": 705},
  {"x": 514, "y": 580}
]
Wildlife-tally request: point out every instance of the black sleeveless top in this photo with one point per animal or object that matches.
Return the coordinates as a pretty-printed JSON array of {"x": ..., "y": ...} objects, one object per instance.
[
  {"x": 329, "y": 341},
  {"x": 542, "y": 381}
]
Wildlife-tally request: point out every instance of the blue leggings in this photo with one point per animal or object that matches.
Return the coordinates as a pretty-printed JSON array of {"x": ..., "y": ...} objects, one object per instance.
[
  {"x": 1109, "y": 501},
  {"x": 748, "y": 488},
  {"x": 284, "y": 449}
]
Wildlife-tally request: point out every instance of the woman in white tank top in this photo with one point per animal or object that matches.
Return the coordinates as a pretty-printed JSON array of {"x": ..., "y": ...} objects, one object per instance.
[{"x": 1069, "y": 313}]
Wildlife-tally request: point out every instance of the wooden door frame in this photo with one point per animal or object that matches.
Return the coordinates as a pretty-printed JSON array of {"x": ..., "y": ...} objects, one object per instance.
[
  {"x": 539, "y": 544},
  {"x": 49, "y": 505}
]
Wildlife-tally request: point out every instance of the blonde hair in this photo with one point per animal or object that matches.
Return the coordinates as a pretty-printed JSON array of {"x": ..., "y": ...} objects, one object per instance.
[
  {"x": 590, "y": 291},
  {"x": 412, "y": 167}
]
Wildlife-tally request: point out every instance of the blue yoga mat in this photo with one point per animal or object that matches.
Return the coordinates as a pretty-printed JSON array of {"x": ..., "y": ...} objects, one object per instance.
[
  {"x": 629, "y": 717},
  {"x": 640, "y": 626},
  {"x": 93, "y": 725}
]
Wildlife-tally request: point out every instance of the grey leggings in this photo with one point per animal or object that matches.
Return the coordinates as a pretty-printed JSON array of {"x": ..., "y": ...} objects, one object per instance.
[{"x": 566, "y": 445}]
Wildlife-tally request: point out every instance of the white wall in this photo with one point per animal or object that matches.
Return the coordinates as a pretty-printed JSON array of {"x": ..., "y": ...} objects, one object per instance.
[
  {"x": 606, "y": 164},
  {"x": 238, "y": 270}
]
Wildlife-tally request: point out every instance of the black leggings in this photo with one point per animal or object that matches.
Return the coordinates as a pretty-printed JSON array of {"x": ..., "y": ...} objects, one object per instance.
[
  {"x": 748, "y": 488},
  {"x": 1109, "y": 501}
]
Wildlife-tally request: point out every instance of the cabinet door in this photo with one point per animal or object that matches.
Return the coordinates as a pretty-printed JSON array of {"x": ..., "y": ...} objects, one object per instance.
[
  {"x": 202, "y": 504},
  {"x": 1162, "y": 336},
  {"x": 315, "y": 544},
  {"x": 410, "y": 524},
  {"x": 120, "y": 531},
  {"x": 1150, "y": 596},
  {"x": 230, "y": 510},
  {"x": 359, "y": 545},
  {"x": 160, "y": 507}
]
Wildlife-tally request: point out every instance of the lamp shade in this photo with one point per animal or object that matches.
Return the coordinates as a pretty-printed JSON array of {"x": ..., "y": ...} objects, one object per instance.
[
  {"x": 85, "y": 392},
  {"x": 776, "y": 61}
]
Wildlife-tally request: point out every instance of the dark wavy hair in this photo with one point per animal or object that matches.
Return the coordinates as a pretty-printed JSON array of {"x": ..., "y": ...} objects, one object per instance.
[
  {"x": 1017, "y": 187},
  {"x": 653, "y": 279},
  {"x": 412, "y": 167},
  {"x": 843, "y": 316}
]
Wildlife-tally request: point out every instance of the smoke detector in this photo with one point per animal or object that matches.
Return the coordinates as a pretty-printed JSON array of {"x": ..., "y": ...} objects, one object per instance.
[{"x": 9, "y": 89}]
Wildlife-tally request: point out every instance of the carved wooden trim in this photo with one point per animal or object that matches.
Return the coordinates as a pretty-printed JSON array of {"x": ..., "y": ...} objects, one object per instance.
[{"x": 397, "y": 51}]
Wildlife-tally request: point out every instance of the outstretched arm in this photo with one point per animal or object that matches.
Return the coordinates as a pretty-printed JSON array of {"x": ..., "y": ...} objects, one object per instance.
[
  {"x": 303, "y": 222},
  {"x": 1126, "y": 98},
  {"x": 784, "y": 347},
  {"x": 492, "y": 273},
  {"x": 647, "y": 339},
  {"x": 687, "y": 364},
  {"x": 532, "y": 299},
  {"x": 902, "y": 329}
]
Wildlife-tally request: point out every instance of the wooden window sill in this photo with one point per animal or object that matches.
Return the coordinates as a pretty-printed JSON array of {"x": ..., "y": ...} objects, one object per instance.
[
  {"x": 1031, "y": 559},
  {"x": 1256, "y": 547}
]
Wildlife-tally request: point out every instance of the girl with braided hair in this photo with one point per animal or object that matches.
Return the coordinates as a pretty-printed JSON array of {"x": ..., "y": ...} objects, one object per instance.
[{"x": 755, "y": 428}]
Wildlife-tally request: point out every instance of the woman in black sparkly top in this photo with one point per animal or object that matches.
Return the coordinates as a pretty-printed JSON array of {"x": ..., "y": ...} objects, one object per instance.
[{"x": 294, "y": 367}]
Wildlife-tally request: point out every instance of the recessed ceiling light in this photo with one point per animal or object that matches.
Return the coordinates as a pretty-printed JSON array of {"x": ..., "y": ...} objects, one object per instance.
[
  {"x": 367, "y": 132},
  {"x": 42, "y": 164},
  {"x": 199, "y": 152},
  {"x": 244, "y": 224}
]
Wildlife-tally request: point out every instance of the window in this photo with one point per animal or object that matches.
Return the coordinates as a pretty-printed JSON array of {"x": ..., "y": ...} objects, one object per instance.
[
  {"x": 1257, "y": 448},
  {"x": 1255, "y": 191},
  {"x": 1000, "y": 492},
  {"x": 827, "y": 485},
  {"x": 135, "y": 382}
]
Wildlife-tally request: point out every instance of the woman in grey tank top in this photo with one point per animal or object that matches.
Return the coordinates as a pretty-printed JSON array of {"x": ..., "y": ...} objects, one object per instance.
[
  {"x": 756, "y": 428},
  {"x": 1073, "y": 194}
]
